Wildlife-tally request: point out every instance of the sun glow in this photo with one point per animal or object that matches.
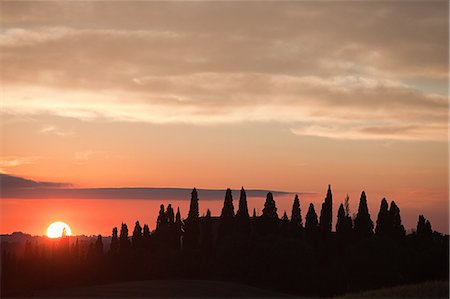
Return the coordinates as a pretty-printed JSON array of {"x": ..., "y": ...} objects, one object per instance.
[{"x": 58, "y": 229}]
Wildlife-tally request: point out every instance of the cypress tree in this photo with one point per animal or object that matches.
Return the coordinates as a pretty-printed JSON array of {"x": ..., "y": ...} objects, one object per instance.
[
  {"x": 191, "y": 234},
  {"x": 424, "y": 227},
  {"x": 242, "y": 212},
  {"x": 98, "y": 246},
  {"x": 341, "y": 221},
  {"x": 384, "y": 226},
  {"x": 363, "y": 223},
  {"x": 161, "y": 222},
  {"x": 296, "y": 216},
  {"x": 242, "y": 216},
  {"x": 326, "y": 213},
  {"x": 193, "y": 207},
  {"x": 207, "y": 240},
  {"x": 270, "y": 210},
  {"x": 136, "y": 238},
  {"x": 178, "y": 216},
  {"x": 114, "y": 246},
  {"x": 170, "y": 217},
  {"x": 311, "y": 223},
  {"x": 397, "y": 230},
  {"x": 124, "y": 242},
  {"x": 227, "y": 215},
  {"x": 228, "y": 208}
]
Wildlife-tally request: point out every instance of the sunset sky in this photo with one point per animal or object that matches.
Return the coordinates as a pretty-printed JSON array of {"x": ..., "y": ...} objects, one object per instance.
[{"x": 288, "y": 96}]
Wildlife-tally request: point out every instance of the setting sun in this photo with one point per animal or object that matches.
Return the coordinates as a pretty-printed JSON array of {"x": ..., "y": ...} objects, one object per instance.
[{"x": 56, "y": 229}]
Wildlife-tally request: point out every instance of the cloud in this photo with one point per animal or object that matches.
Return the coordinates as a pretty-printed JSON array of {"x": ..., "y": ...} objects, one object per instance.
[
  {"x": 17, "y": 187},
  {"x": 385, "y": 132},
  {"x": 14, "y": 161},
  {"x": 9, "y": 183},
  {"x": 51, "y": 129},
  {"x": 302, "y": 64}
]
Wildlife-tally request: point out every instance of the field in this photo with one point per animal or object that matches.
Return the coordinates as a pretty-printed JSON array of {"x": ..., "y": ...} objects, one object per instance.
[
  {"x": 432, "y": 289},
  {"x": 163, "y": 289}
]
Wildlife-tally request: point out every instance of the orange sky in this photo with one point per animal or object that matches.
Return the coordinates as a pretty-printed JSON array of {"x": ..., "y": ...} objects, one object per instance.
[{"x": 291, "y": 97}]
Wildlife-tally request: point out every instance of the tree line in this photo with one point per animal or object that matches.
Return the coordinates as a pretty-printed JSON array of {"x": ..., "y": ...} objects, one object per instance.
[{"x": 283, "y": 253}]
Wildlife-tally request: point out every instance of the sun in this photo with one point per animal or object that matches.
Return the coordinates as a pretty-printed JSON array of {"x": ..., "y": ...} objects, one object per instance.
[{"x": 57, "y": 229}]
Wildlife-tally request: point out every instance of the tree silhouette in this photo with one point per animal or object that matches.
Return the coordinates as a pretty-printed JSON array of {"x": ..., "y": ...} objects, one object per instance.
[
  {"x": 146, "y": 232},
  {"x": 191, "y": 227},
  {"x": 98, "y": 246},
  {"x": 269, "y": 217},
  {"x": 193, "y": 208},
  {"x": 227, "y": 216},
  {"x": 397, "y": 230},
  {"x": 242, "y": 216},
  {"x": 124, "y": 242},
  {"x": 170, "y": 216},
  {"x": 270, "y": 210},
  {"x": 136, "y": 239},
  {"x": 423, "y": 227},
  {"x": 114, "y": 246},
  {"x": 311, "y": 223},
  {"x": 326, "y": 213},
  {"x": 296, "y": 216},
  {"x": 344, "y": 222},
  {"x": 161, "y": 221},
  {"x": 384, "y": 226},
  {"x": 363, "y": 223},
  {"x": 207, "y": 240},
  {"x": 284, "y": 223},
  {"x": 178, "y": 229}
]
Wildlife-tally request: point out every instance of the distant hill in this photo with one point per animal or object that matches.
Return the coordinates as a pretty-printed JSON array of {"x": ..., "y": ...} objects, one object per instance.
[
  {"x": 17, "y": 187},
  {"x": 164, "y": 289}
]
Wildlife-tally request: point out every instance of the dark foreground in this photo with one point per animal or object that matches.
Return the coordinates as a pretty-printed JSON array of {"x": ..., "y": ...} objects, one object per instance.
[
  {"x": 163, "y": 289},
  {"x": 218, "y": 289}
]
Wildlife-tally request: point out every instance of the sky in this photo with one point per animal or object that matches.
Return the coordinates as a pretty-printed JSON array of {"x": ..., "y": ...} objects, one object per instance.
[{"x": 288, "y": 96}]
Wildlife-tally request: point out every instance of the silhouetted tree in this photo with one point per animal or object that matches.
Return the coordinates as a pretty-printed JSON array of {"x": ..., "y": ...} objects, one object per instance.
[
  {"x": 341, "y": 222},
  {"x": 363, "y": 223},
  {"x": 227, "y": 216},
  {"x": 326, "y": 213},
  {"x": 98, "y": 246},
  {"x": 397, "y": 230},
  {"x": 270, "y": 209},
  {"x": 170, "y": 216},
  {"x": 146, "y": 237},
  {"x": 207, "y": 240},
  {"x": 311, "y": 223},
  {"x": 424, "y": 227},
  {"x": 136, "y": 239},
  {"x": 146, "y": 232},
  {"x": 114, "y": 246},
  {"x": 242, "y": 216},
  {"x": 124, "y": 242},
  {"x": 193, "y": 208},
  {"x": 254, "y": 213},
  {"x": 296, "y": 216},
  {"x": 269, "y": 217},
  {"x": 178, "y": 229},
  {"x": 285, "y": 223},
  {"x": 191, "y": 227},
  {"x": 384, "y": 226},
  {"x": 161, "y": 222}
]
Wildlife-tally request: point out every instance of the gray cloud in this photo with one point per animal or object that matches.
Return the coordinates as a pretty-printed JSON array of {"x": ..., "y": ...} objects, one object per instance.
[{"x": 18, "y": 187}]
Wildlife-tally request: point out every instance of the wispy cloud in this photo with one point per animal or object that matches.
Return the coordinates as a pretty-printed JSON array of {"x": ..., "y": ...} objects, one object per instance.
[
  {"x": 51, "y": 129},
  {"x": 9, "y": 162}
]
